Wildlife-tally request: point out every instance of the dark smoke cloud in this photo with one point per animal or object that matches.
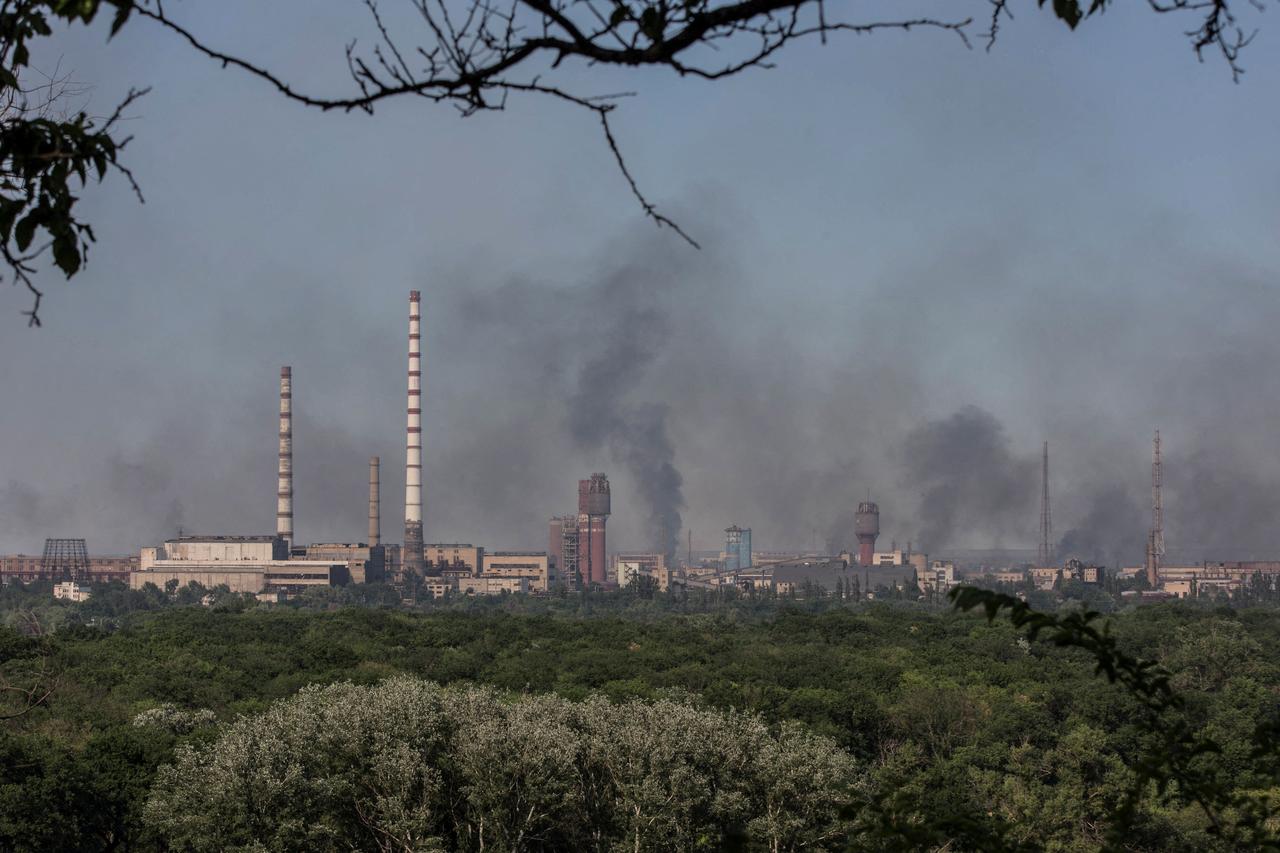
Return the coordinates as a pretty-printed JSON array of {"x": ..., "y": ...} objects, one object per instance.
[
  {"x": 713, "y": 395},
  {"x": 629, "y": 331},
  {"x": 969, "y": 480},
  {"x": 1111, "y": 532},
  {"x": 590, "y": 350}
]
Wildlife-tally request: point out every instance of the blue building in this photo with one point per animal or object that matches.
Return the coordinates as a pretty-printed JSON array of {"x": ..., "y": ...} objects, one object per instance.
[{"x": 737, "y": 548}]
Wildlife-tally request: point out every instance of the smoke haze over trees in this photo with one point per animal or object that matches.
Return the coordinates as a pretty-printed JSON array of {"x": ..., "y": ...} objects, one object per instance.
[
  {"x": 773, "y": 380},
  {"x": 650, "y": 365}
]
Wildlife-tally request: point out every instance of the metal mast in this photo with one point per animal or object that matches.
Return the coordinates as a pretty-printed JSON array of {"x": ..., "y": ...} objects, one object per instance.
[
  {"x": 1046, "y": 519},
  {"x": 1157, "y": 508}
]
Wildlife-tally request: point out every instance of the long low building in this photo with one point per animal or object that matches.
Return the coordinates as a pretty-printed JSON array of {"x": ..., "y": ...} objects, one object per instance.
[
  {"x": 26, "y": 568},
  {"x": 246, "y": 576},
  {"x": 250, "y": 564}
]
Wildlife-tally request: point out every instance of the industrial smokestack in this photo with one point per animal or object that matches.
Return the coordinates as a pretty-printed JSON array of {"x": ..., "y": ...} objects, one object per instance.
[
  {"x": 412, "y": 557},
  {"x": 284, "y": 480},
  {"x": 375, "y": 497},
  {"x": 866, "y": 527}
]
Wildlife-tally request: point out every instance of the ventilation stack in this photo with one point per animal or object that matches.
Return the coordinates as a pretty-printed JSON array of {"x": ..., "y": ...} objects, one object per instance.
[
  {"x": 867, "y": 528},
  {"x": 412, "y": 557},
  {"x": 375, "y": 498},
  {"x": 284, "y": 481}
]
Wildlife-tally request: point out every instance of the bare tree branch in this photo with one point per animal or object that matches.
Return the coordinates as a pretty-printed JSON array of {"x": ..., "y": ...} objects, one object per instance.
[{"x": 476, "y": 59}]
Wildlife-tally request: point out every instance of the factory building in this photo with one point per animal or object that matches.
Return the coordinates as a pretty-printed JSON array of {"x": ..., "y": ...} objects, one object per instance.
[
  {"x": 737, "y": 548},
  {"x": 533, "y": 566},
  {"x": 628, "y": 567},
  {"x": 26, "y": 568},
  {"x": 452, "y": 559},
  {"x": 365, "y": 563},
  {"x": 939, "y": 577},
  {"x": 241, "y": 563},
  {"x": 1230, "y": 577},
  {"x": 493, "y": 586}
]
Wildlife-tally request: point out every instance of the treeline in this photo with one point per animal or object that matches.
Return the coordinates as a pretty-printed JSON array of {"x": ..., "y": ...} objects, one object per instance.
[{"x": 964, "y": 729}]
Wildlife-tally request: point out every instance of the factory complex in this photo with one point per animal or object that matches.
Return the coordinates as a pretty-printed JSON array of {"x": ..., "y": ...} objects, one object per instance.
[{"x": 274, "y": 566}]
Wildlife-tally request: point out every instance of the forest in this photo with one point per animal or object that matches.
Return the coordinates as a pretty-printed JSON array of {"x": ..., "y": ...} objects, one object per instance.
[{"x": 609, "y": 722}]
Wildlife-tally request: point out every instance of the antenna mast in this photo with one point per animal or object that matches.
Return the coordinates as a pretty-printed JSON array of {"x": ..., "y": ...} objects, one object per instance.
[
  {"x": 1157, "y": 508},
  {"x": 1046, "y": 519}
]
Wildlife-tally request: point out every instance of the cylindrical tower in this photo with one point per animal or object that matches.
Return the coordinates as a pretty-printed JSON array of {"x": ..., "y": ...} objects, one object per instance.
[
  {"x": 375, "y": 498},
  {"x": 284, "y": 473},
  {"x": 867, "y": 528},
  {"x": 411, "y": 559},
  {"x": 593, "y": 512}
]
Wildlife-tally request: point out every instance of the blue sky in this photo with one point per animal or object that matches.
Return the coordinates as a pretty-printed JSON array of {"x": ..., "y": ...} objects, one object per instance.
[{"x": 1074, "y": 232}]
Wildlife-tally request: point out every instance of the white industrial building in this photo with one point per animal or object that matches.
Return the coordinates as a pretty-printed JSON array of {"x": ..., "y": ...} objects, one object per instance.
[{"x": 250, "y": 564}]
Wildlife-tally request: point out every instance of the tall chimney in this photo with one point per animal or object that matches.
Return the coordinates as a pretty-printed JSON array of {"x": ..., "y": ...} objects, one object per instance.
[
  {"x": 284, "y": 480},
  {"x": 375, "y": 496},
  {"x": 412, "y": 557}
]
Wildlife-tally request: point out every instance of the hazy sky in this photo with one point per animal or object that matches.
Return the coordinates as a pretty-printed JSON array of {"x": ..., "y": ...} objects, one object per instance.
[{"x": 919, "y": 263}]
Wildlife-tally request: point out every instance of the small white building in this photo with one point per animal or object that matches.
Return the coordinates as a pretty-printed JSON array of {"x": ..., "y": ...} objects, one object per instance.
[{"x": 71, "y": 591}]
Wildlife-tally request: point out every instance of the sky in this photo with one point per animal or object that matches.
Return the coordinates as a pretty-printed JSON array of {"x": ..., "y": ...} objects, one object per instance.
[{"x": 919, "y": 262}]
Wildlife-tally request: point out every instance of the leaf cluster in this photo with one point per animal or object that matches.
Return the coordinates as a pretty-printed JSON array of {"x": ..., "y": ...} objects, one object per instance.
[
  {"x": 47, "y": 155},
  {"x": 1171, "y": 761}
]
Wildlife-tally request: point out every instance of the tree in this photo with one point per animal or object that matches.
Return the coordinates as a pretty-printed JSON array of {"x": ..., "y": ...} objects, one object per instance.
[
  {"x": 471, "y": 54},
  {"x": 408, "y": 765},
  {"x": 45, "y": 152},
  {"x": 475, "y": 54},
  {"x": 1175, "y": 752}
]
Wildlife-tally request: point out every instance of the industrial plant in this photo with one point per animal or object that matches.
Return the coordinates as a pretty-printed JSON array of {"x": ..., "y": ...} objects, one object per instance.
[{"x": 577, "y": 557}]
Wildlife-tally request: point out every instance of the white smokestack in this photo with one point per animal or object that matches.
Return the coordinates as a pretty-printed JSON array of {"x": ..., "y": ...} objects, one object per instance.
[
  {"x": 412, "y": 557},
  {"x": 284, "y": 483},
  {"x": 375, "y": 512}
]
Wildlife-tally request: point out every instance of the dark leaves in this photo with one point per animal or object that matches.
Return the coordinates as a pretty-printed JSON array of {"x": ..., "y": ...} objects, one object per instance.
[{"x": 45, "y": 158}]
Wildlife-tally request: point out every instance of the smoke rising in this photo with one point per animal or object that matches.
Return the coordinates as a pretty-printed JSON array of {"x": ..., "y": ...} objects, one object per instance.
[
  {"x": 1110, "y": 532},
  {"x": 712, "y": 395},
  {"x": 968, "y": 478}
]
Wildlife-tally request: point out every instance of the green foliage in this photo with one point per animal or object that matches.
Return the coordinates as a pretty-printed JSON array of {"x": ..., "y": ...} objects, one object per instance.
[
  {"x": 1178, "y": 760},
  {"x": 966, "y": 733},
  {"x": 45, "y": 156},
  {"x": 409, "y": 765}
]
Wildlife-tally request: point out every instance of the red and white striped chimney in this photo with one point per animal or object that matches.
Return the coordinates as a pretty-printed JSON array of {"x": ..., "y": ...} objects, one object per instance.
[
  {"x": 284, "y": 483},
  {"x": 412, "y": 556}
]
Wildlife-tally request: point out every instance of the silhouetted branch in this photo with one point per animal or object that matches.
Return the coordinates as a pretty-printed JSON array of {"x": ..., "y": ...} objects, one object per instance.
[{"x": 475, "y": 54}]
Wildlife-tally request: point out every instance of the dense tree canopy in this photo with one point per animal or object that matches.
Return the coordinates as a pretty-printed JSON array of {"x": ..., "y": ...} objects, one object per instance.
[{"x": 952, "y": 730}]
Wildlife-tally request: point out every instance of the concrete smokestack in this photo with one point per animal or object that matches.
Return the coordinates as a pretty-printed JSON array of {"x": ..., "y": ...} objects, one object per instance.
[
  {"x": 412, "y": 557},
  {"x": 284, "y": 479},
  {"x": 866, "y": 527},
  {"x": 375, "y": 498}
]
